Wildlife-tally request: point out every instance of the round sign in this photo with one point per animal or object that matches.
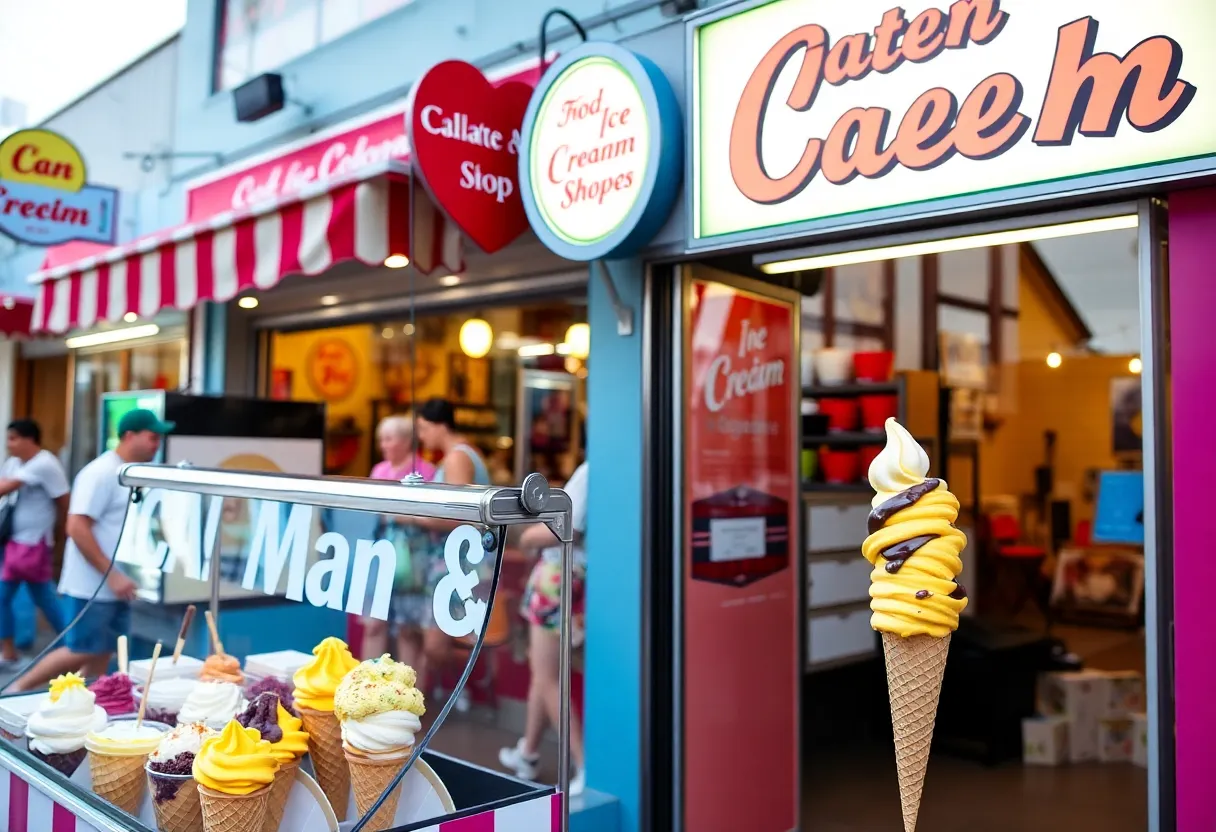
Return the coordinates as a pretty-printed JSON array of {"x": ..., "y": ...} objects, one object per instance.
[{"x": 601, "y": 159}]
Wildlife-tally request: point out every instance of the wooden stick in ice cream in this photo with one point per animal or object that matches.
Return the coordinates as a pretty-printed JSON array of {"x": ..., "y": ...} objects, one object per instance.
[
  {"x": 143, "y": 700},
  {"x": 187, "y": 620},
  {"x": 122, "y": 655},
  {"x": 216, "y": 644}
]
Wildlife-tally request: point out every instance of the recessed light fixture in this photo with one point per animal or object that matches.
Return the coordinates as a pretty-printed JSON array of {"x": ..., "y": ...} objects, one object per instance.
[
  {"x": 1054, "y": 360},
  {"x": 396, "y": 261},
  {"x": 387, "y": 332},
  {"x": 329, "y": 300},
  {"x": 111, "y": 336},
  {"x": 449, "y": 279},
  {"x": 1135, "y": 366},
  {"x": 130, "y": 317},
  {"x": 248, "y": 302},
  {"x": 784, "y": 264},
  {"x": 408, "y": 329}
]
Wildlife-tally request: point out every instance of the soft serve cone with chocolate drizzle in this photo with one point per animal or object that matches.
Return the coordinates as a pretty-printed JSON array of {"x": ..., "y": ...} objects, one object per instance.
[{"x": 914, "y": 595}]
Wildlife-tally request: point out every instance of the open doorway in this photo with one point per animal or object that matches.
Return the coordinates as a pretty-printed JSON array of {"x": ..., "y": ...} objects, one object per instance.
[{"x": 1017, "y": 366}]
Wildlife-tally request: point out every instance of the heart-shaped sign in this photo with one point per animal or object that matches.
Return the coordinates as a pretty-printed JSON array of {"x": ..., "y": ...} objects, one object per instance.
[{"x": 465, "y": 136}]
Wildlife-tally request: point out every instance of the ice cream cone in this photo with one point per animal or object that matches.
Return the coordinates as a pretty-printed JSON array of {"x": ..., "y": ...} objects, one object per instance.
[
  {"x": 280, "y": 790},
  {"x": 176, "y": 803},
  {"x": 328, "y": 759},
  {"x": 370, "y": 778},
  {"x": 224, "y": 812},
  {"x": 119, "y": 779},
  {"x": 65, "y": 764},
  {"x": 915, "y": 667}
]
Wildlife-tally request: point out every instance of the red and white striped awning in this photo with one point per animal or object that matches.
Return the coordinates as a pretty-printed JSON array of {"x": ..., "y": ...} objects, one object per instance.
[
  {"x": 363, "y": 217},
  {"x": 15, "y": 316}
]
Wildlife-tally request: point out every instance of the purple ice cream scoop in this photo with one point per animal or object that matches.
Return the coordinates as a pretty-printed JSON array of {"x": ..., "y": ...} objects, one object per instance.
[{"x": 263, "y": 714}]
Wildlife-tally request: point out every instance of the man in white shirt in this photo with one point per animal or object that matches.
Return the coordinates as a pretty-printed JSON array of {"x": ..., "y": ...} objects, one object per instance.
[
  {"x": 95, "y": 517},
  {"x": 35, "y": 483}
]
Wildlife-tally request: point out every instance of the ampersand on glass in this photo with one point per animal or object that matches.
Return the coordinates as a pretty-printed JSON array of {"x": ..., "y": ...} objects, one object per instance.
[{"x": 460, "y": 583}]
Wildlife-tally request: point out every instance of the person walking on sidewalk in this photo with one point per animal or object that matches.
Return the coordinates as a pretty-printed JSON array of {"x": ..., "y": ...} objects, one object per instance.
[
  {"x": 95, "y": 517},
  {"x": 34, "y": 480}
]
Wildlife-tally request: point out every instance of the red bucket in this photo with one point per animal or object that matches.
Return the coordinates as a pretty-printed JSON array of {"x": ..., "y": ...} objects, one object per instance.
[
  {"x": 842, "y": 414},
  {"x": 867, "y": 455},
  {"x": 875, "y": 410},
  {"x": 840, "y": 467},
  {"x": 874, "y": 367}
]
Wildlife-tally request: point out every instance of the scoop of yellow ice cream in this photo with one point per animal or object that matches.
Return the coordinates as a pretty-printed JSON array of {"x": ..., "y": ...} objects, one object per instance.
[
  {"x": 316, "y": 681},
  {"x": 294, "y": 744},
  {"x": 64, "y": 683},
  {"x": 378, "y": 686},
  {"x": 913, "y": 544},
  {"x": 238, "y": 761}
]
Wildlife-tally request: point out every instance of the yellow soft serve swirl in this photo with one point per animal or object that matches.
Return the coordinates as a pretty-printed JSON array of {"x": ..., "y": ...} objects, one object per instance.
[
  {"x": 294, "y": 744},
  {"x": 63, "y": 683},
  {"x": 913, "y": 544},
  {"x": 238, "y": 761},
  {"x": 316, "y": 681}
]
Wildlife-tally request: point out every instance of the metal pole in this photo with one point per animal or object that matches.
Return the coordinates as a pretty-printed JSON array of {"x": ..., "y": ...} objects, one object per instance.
[
  {"x": 215, "y": 555},
  {"x": 563, "y": 744}
]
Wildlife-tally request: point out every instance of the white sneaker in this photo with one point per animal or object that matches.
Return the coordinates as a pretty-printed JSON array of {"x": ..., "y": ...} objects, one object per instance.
[
  {"x": 463, "y": 703},
  {"x": 578, "y": 782},
  {"x": 525, "y": 766}
]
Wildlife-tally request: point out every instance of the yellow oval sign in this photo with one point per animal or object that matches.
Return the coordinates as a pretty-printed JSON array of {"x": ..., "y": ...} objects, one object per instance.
[{"x": 40, "y": 157}]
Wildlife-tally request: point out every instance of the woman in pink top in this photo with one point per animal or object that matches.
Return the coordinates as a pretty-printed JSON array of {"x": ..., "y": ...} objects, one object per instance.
[{"x": 410, "y": 605}]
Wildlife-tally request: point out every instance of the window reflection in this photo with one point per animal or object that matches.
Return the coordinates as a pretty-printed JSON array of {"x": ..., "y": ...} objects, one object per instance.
[{"x": 257, "y": 36}]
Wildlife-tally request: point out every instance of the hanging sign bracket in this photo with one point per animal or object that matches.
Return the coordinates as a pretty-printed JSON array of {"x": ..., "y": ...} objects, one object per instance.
[{"x": 624, "y": 313}]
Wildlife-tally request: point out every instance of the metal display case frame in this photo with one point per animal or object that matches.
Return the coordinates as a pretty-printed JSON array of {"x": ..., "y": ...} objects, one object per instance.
[{"x": 516, "y": 805}]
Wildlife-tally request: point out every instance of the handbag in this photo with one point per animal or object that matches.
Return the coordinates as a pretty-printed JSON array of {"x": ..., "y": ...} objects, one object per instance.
[
  {"x": 8, "y": 514},
  {"x": 405, "y": 576}
]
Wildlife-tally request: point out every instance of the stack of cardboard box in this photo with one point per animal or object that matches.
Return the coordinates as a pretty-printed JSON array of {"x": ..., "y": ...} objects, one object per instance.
[{"x": 1085, "y": 716}]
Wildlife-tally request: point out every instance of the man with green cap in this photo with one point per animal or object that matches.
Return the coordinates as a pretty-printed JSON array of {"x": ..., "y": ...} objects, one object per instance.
[{"x": 95, "y": 517}]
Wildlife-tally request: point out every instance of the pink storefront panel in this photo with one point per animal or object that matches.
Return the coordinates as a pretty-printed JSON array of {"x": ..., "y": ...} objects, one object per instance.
[{"x": 1192, "y": 229}]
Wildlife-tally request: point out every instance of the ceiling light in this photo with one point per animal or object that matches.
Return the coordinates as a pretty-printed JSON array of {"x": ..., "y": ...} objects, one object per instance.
[
  {"x": 396, "y": 261},
  {"x": 387, "y": 332},
  {"x": 248, "y": 302},
  {"x": 329, "y": 300},
  {"x": 408, "y": 329},
  {"x": 1135, "y": 365},
  {"x": 1054, "y": 360},
  {"x": 449, "y": 279},
  {"x": 536, "y": 350},
  {"x": 130, "y": 317},
  {"x": 578, "y": 337},
  {"x": 996, "y": 238},
  {"x": 476, "y": 337},
  {"x": 111, "y": 336}
]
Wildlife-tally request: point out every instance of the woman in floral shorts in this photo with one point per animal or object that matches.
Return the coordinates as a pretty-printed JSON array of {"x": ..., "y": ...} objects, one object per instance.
[{"x": 542, "y": 609}]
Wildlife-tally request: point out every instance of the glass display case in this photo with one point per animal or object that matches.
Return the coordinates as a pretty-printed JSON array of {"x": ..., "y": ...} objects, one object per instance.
[{"x": 320, "y": 543}]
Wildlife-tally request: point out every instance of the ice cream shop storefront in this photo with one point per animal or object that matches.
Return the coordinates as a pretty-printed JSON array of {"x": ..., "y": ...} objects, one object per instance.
[{"x": 986, "y": 222}]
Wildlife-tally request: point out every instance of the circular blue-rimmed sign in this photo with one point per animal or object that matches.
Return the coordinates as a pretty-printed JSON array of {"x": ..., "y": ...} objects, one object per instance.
[{"x": 601, "y": 153}]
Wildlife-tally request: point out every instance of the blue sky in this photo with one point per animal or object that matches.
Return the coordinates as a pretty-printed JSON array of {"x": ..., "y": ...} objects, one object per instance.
[{"x": 51, "y": 51}]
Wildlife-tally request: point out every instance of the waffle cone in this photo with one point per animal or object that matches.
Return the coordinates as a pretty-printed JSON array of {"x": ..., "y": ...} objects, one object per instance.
[
  {"x": 180, "y": 813},
  {"x": 119, "y": 780},
  {"x": 280, "y": 790},
  {"x": 915, "y": 667},
  {"x": 233, "y": 812},
  {"x": 370, "y": 778},
  {"x": 328, "y": 759}
]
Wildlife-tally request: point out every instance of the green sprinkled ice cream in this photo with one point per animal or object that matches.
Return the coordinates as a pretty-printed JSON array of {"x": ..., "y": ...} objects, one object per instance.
[{"x": 379, "y": 708}]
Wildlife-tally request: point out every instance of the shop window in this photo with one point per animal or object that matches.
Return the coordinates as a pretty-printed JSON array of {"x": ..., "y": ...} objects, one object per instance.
[
  {"x": 521, "y": 402},
  {"x": 257, "y": 36}
]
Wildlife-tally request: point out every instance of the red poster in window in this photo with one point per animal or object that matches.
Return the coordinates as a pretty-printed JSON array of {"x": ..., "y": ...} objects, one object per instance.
[{"x": 742, "y": 605}]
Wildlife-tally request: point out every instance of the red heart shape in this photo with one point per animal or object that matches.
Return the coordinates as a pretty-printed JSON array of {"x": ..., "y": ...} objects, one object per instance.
[{"x": 465, "y": 137}]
